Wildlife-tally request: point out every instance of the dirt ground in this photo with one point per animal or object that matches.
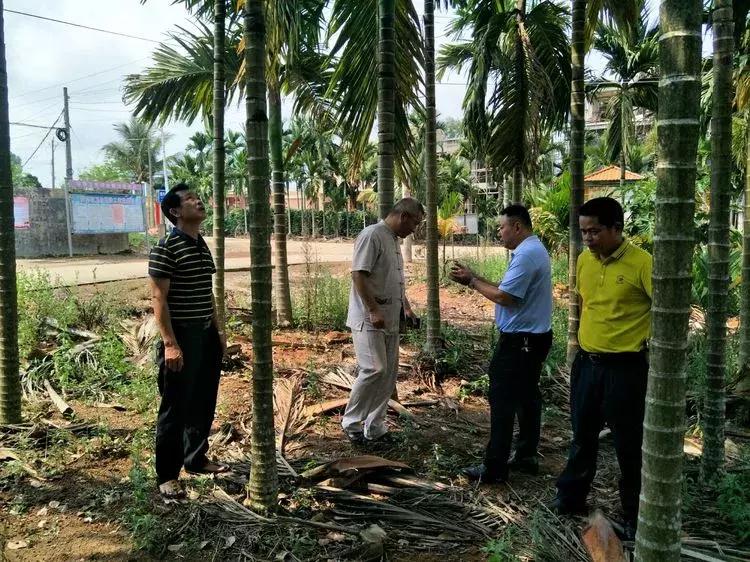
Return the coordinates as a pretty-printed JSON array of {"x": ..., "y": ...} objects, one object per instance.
[{"x": 76, "y": 512}]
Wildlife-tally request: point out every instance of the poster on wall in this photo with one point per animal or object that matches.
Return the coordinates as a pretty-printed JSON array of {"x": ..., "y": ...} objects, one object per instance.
[
  {"x": 106, "y": 214},
  {"x": 21, "y": 213}
]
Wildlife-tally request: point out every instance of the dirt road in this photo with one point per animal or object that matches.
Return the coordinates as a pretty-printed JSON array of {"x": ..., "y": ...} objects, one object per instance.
[{"x": 99, "y": 269}]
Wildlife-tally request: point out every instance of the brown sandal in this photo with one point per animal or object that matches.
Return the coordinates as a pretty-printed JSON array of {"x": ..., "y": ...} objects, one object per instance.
[{"x": 171, "y": 490}]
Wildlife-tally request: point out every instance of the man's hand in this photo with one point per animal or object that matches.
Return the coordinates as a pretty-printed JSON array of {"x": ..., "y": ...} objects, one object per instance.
[
  {"x": 461, "y": 274},
  {"x": 412, "y": 319},
  {"x": 377, "y": 319},
  {"x": 173, "y": 357}
]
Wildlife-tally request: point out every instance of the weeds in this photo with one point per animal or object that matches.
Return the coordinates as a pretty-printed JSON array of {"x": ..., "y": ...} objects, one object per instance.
[
  {"x": 322, "y": 301},
  {"x": 734, "y": 502},
  {"x": 502, "y": 549}
]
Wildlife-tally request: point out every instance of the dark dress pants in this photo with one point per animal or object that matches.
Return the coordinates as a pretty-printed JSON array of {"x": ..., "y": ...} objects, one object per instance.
[
  {"x": 514, "y": 392},
  {"x": 188, "y": 400},
  {"x": 611, "y": 389}
]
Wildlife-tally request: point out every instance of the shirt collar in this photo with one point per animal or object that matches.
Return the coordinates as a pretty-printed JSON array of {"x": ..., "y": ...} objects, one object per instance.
[
  {"x": 388, "y": 228},
  {"x": 528, "y": 238},
  {"x": 618, "y": 253}
]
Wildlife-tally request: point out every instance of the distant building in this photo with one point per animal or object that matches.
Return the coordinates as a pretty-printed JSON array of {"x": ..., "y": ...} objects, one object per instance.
[{"x": 605, "y": 182}]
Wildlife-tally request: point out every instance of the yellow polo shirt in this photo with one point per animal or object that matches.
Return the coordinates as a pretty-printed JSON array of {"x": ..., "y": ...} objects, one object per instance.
[{"x": 615, "y": 300}]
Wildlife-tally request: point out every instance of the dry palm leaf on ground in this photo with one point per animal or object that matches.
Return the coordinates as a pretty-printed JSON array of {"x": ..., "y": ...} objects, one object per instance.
[{"x": 288, "y": 410}]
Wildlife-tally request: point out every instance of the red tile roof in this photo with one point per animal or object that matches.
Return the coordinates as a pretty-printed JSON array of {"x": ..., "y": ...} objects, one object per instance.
[{"x": 610, "y": 174}]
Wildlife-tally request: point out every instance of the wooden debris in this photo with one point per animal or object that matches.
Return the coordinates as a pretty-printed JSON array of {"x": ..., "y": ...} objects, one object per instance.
[
  {"x": 346, "y": 466},
  {"x": 600, "y": 540},
  {"x": 113, "y": 405},
  {"x": 323, "y": 407},
  {"x": 57, "y": 400},
  {"x": 420, "y": 403},
  {"x": 341, "y": 379}
]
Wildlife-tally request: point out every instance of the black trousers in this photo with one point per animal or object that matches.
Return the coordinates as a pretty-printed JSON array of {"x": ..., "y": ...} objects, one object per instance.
[
  {"x": 611, "y": 389},
  {"x": 188, "y": 401},
  {"x": 514, "y": 392}
]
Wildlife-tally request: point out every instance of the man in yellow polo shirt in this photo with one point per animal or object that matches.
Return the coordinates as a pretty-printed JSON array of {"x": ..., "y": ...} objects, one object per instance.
[{"x": 609, "y": 374}]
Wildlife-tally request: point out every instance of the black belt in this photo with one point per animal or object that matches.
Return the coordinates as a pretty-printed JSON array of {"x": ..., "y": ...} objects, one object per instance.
[
  {"x": 613, "y": 357},
  {"x": 521, "y": 336}
]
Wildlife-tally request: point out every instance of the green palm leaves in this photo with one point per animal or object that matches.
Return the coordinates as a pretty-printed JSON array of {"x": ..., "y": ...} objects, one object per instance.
[{"x": 519, "y": 58}]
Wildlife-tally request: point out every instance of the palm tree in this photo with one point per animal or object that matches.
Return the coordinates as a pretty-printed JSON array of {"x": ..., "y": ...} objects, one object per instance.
[
  {"x": 138, "y": 145},
  {"x": 386, "y": 103},
  {"x": 262, "y": 487},
  {"x": 432, "y": 341},
  {"x": 678, "y": 124},
  {"x": 631, "y": 52},
  {"x": 179, "y": 86},
  {"x": 394, "y": 55},
  {"x": 577, "y": 143},
  {"x": 219, "y": 156},
  {"x": 718, "y": 244},
  {"x": 10, "y": 384},
  {"x": 526, "y": 51}
]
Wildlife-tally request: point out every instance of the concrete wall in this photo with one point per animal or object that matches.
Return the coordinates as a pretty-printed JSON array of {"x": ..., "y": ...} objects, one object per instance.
[{"x": 48, "y": 235}]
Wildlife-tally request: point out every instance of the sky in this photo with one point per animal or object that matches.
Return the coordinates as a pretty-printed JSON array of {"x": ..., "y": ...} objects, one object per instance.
[{"x": 45, "y": 56}]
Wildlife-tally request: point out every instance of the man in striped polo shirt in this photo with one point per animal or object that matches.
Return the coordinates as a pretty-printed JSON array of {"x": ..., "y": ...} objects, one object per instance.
[{"x": 189, "y": 355}]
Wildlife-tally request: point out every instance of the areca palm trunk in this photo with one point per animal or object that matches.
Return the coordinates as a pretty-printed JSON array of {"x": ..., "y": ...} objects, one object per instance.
[
  {"x": 577, "y": 143},
  {"x": 282, "y": 293},
  {"x": 10, "y": 384},
  {"x": 219, "y": 154},
  {"x": 406, "y": 249},
  {"x": 386, "y": 103},
  {"x": 262, "y": 487},
  {"x": 659, "y": 520},
  {"x": 520, "y": 63},
  {"x": 718, "y": 241},
  {"x": 623, "y": 144},
  {"x": 432, "y": 343},
  {"x": 744, "y": 367}
]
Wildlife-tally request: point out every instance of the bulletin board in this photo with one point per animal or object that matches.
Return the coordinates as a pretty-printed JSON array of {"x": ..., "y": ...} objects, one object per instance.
[
  {"x": 21, "y": 219},
  {"x": 93, "y": 213}
]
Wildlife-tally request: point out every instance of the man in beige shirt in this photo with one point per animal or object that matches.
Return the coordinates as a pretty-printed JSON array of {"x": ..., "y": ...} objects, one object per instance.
[{"x": 375, "y": 302}]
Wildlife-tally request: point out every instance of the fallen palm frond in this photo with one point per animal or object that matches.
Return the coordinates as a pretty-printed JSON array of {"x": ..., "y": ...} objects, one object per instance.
[
  {"x": 140, "y": 336},
  {"x": 341, "y": 379},
  {"x": 288, "y": 406}
]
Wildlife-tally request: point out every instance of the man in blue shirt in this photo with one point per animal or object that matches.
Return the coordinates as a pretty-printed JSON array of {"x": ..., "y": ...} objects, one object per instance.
[{"x": 523, "y": 315}]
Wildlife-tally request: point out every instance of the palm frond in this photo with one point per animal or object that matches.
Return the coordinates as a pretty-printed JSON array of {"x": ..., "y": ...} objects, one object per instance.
[
  {"x": 352, "y": 87},
  {"x": 179, "y": 84}
]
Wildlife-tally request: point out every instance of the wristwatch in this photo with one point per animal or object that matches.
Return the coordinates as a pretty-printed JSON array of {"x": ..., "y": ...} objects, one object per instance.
[{"x": 471, "y": 283}]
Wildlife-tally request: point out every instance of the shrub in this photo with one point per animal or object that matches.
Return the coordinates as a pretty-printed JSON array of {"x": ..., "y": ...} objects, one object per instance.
[{"x": 321, "y": 302}]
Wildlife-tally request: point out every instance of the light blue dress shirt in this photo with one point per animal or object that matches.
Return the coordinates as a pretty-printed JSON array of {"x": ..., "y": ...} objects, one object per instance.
[{"x": 529, "y": 280}]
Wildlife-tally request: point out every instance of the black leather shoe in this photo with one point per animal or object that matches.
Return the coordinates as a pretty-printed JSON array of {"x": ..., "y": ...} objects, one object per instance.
[
  {"x": 481, "y": 474},
  {"x": 559, "y": 506},
  {"x": 527, "y": 465}
]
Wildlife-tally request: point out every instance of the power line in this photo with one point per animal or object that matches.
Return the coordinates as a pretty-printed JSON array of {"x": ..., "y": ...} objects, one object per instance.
[
  {"x": 79, "y": 79},
  {"x": 44, "y": 139},
  {"x": 82, "y": 26},
  {"x": 30, "y": 125}
]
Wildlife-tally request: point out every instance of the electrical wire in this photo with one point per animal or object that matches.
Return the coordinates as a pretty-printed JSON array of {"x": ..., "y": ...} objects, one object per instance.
[
  {"x": 52, "y": 128},
  {"x": 81, "y": 26}
]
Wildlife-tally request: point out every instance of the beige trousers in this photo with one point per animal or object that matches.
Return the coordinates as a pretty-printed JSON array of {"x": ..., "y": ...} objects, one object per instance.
[{"x": 377, "y": 357}]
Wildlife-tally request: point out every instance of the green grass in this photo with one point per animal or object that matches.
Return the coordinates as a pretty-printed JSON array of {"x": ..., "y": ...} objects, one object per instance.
[{"x": 321, "y": 303}]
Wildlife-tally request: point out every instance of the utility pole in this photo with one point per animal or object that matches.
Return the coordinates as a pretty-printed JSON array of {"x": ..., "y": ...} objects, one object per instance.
[
  {"x": 53, "y": 164},
  {"x": 68, "y": 169},
  {"x": 164, "y": 161}
]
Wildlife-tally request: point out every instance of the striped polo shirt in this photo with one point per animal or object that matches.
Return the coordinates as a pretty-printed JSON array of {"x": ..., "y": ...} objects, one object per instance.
[{"x": 187, "y": 263}]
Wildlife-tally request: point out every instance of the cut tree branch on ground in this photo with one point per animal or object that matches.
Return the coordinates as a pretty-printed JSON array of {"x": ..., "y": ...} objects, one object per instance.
[{"x": 57, "y": 400}]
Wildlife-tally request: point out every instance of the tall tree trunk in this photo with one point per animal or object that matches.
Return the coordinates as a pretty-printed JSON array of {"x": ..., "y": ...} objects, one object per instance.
[
  {"x": 263, "y": 487},
  {"x": 577, "y": 143},
  {"x": 386, "y": 103},
  {"x": 658, "y": 537},
  {"x": 517, "y": 192},
  {"x": 282, "y": 293},
  {"x": 744, "y": 367},
  {"x": 623, "y": 153},
  {"x": 219, "y": 154},
  {"x": 10, "y": 384},
  {"x": 406, "y": 247},
  {"x": 712, "y": 459},
  {"x": 313, "y": 212},
  {"x": 433, "y": 342},
  {"x": 523, "y": 86}
]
